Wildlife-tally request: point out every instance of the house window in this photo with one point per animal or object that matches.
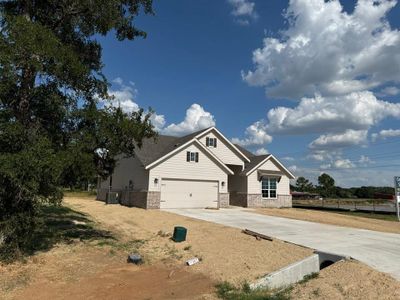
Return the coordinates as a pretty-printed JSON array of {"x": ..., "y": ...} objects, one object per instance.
[
  {"x": 192, "y": 156},
  {"x": 268, "y": 187},
  {"x": 211, "y": 142}
]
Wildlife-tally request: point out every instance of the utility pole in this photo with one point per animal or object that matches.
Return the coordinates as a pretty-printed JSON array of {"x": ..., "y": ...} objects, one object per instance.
[{"x": 397, "y": 195}]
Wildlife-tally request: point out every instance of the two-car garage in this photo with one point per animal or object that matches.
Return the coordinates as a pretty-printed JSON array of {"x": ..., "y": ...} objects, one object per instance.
[{"x": 178, "y": 193}]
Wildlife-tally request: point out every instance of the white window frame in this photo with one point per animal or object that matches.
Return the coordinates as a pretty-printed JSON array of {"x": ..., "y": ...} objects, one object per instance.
[
  {"x": 268, "y": 189},
  {"x": 211, "y": 142},
  {"x": 192, "y": 156}
]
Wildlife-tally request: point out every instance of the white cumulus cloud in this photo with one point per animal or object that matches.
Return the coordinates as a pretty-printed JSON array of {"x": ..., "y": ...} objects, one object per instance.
[
  {"x": 338, "y": 164},
  {"x": 386, "y": 133},
  {"x": 261, "y": 151},
  {"x": 196, "y": 119},
  {"x": 341, "y": 140},
  {"x": 255, "y": 135},
  {"x": 329, "y": 51},
  {"x": 390, "y": 91},
  {"x": 123, "y": 96},
  {"x": 242, "y": 7},
  {"x": 343, "y": 164},
  {"x": 243, "y": 10},
  {"x": 158, "y": 121},
  {"x": 356, "y": 111},
  {"x": 364, "y": 160}
]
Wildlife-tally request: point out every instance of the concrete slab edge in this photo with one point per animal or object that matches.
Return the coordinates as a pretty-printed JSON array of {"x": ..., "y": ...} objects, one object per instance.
[{"x": 289, "y": 274}]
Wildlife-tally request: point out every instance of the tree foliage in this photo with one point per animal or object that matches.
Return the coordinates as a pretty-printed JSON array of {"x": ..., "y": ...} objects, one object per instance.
[
  {"x": 303, "y": 185},
  {"x": 327, "y": 185},
  {"x": 326, "y": 188},
  {"x": 53, "y": 129}
]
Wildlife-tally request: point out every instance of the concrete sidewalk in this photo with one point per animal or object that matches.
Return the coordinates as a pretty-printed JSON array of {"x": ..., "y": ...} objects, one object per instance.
[{"x": 376, "y": 249}]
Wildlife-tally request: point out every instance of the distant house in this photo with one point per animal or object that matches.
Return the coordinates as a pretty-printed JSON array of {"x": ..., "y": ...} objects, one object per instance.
[{"x": 202, "y": 169}]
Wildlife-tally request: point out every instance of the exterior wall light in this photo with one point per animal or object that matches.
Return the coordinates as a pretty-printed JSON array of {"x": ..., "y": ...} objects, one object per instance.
[
  {"x": 156, "y": 181},
  {"x": 223, "y": 183}
]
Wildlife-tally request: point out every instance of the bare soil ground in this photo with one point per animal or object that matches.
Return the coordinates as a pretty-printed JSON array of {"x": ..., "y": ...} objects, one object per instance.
[
  {"x": 348, "y": 280},
  {"x": 226, "y": 253},
  {"x": 96, "y": 268},
  {"x": 93, "y": 265},
  {"x": 332, "y": 219},
  {"x": 85, "y": 272}
]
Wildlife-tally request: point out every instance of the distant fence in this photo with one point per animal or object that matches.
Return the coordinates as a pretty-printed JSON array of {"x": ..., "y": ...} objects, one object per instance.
[{"x": 368, "y": 205}]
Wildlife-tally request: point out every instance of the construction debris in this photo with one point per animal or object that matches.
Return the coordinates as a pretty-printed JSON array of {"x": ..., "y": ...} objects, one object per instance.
[
  {"x": 192, "y": 261},
  {"x": 135, "y": 259},
  {"x": 257, "y": 235}
]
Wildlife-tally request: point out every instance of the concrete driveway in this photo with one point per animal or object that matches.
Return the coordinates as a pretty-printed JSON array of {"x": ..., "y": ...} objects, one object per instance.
[{"x": 376, "y": 249}]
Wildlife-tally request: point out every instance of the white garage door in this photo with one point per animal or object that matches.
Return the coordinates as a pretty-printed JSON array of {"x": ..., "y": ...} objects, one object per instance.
[{"x": 188, "y": 194}]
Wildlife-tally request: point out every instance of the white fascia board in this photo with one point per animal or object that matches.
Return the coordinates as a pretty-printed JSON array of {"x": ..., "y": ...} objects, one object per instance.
[
  {"x": 259, "y": 164},
  {"x": 214, "y": 157},
  {"x": 283, "y": 167},
  {"x": 277, "y": 161},
  {"x": 194, "y": 140},
  {"x": 226, "y": 140}
]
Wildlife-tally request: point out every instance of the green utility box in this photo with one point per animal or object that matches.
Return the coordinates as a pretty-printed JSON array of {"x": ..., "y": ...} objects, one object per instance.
[{"x": 179, "y": 234}]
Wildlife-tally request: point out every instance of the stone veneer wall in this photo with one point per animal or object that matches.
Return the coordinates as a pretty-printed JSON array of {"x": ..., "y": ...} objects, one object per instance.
[
  {"x": 281, "y": 201},
  {"x": 286, "y": 200},
  {"x": 141, "y": 199},
  {"x": 254, "y": 200},
  {"x": 153, "y": 200},
  {"x": 223, "y": 200}
]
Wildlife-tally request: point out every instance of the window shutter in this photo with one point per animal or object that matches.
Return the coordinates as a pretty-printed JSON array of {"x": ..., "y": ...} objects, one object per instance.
[
  {"x": 207, "y": 141},
  {"x": 215, "y": 143},
  {"x": 188, "y": 156},
  {"x": 197, "y": 157}
]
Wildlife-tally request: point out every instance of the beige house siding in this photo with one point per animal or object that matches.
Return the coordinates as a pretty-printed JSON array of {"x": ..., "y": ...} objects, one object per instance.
[
  {"x": 128, "y": 169},
  {"x": 254, "y": 185},
  {"x": 177, "y": 167},
  {"x": 222, "y": 151}
]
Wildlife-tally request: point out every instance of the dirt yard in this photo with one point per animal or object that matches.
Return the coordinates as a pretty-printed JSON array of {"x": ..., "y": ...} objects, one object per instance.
[
  {"x": 332, "y": 219},
  {"x": 348, "y": 280},
  {"x": 226, "y": 253},
  {"x": 96, "y": 267},
  {"x": 88, "y": 261}
]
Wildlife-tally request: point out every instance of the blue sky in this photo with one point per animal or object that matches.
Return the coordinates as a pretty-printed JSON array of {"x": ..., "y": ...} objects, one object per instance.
[{"x": 315, "y": 83}]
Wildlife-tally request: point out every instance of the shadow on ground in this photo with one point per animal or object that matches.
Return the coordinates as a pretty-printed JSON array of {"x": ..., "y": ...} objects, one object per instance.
[{"x": 60, "y": 224}]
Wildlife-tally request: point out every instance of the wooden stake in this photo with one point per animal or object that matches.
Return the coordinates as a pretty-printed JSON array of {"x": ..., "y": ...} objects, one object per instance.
[{"x": 257, "y": 235}]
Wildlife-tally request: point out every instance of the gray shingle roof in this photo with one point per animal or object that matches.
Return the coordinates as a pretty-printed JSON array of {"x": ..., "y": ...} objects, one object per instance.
[
  {"x": 153, "y": 149},
  {"x": 254, "y": 161},
  {"x": 244, "y": 151}
]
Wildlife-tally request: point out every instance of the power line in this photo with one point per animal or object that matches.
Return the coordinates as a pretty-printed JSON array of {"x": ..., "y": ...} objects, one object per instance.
[
  {"x": 348, "y": 149},
  {"x": 357, "y": 160},
  {"x": 355, "y": 168}
]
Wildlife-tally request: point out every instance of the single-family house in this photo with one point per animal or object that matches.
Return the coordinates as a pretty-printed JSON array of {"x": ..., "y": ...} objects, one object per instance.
[{"x": 202, "y": 169}]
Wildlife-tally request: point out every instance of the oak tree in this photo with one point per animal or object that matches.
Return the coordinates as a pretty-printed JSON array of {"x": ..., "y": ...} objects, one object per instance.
[{"x": 51, "y": 117}]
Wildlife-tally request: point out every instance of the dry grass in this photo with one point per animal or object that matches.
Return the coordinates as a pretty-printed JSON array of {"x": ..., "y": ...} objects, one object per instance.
[
  {"x": 348, "y": 280},
  {"x": 332, "y": 219}
]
